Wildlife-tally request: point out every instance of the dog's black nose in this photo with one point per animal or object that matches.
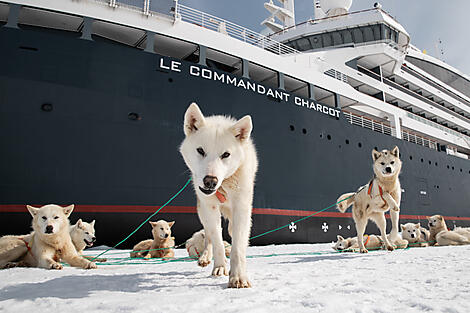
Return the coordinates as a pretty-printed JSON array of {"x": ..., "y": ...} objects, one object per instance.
[
  {"x": 166, "y": 235},
  {"x": 388, "y": 169},
  {"x": 412, "y": 235},
  {"x": 210, "y": 182},
  {"x": 93, "y": 239},
  {"x": 49, "y": 229}
]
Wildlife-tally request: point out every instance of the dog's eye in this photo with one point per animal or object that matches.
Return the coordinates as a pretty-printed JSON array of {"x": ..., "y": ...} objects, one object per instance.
[
  {"x": 87, "y": 233},
  {"x": 44, "y": 218},
  {"x": 225, "y": 155},
  {"x": 382, "y": 163},
  {"x": 56, "y": 217},
  {"x": 392, "y": 162},
  {"x": 161, "y": 228},
  {"x": 201, "y": 151}
]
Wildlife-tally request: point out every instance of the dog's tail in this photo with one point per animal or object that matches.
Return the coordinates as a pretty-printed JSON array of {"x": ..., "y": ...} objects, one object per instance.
[{"x": 345, "y": 201}]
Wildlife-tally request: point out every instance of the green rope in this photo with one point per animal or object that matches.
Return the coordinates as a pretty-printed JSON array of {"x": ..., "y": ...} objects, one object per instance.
[{"x": 171, "y": 199}]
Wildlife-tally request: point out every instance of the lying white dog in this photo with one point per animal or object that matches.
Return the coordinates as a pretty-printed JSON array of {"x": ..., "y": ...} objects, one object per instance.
[
  {"x": 416, "y": 235},
  {"x": 197, "y": 244},
  {"x": 443, "y": 236}
]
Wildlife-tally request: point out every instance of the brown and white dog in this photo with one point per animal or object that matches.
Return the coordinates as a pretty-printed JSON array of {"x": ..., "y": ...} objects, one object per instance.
[
  {"x": 443, "y": 236},
  {"x": 161, "y": 246},
  {"x": 371, "y": 201}
]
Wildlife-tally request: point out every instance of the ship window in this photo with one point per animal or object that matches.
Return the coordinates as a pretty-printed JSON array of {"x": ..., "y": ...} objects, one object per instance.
[
  {"x": 386, "y": 32},
  {"x": 263, "y": 75},
  {"x": 176, "y": 48},
  {"x": 394, "y": 35},
  {"x": 224, "y": 62},
  {"x": 324, "y": 96},
  {"x": 357, "y": 33},
  {"x": 327, "y": 40},
  {"x": 337, "y": 40},
  {"x": 303, "y": 44},
  {"x": 347, "y": 36},
  {"x": 48, "y": 19},
  {"x": 376, "y": 31},
  {"x": 295, "y": 86},
  {"x": 368, "y": 34},
  {"x": 119, "y": 33},
  {"x": 316, "y": 41}
]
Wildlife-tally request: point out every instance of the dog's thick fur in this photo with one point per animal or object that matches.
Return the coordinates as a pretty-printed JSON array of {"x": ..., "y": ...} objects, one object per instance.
[
  {"x": 50, "y": 240},
  {"x": 415, "y": 234},
  {"x": 373, "y": 242},
  {"x": 13, "y": 248},
  {"x": 161, "y": 246},
  {"x": 443, "y": 236},
  {"x": 387, "y": 166},
  {"x": 197, "y": 244},
  {"x": 464, "y": 231},
  {"x": 83, "y": 235},
  {"x": 222, "y": 159}
]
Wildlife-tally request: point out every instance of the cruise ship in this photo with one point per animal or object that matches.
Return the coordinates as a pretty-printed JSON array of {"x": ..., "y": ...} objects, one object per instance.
[{"x": 93, "y": 93}]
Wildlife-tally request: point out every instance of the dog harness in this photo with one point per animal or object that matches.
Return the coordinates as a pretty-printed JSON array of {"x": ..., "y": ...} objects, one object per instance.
[
  {"x": 195, "y": 249},
  {"x": 220, "y": 196},
  {"x": 380, "y": 191},
  {"x": 27, "y": 246},
  {"x": 367, "y": 240}
]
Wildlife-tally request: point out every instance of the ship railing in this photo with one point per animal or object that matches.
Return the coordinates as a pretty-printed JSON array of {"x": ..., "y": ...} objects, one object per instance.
[
  {"x": 380, "y": 127},
  {"x": 233, "y": 30}
]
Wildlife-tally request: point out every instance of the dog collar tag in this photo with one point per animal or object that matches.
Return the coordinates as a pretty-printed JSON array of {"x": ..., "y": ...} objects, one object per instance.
[{"x": 220, "y": 196}]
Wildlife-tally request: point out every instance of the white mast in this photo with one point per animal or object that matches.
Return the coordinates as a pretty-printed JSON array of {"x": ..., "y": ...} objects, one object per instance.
[{"x": 284, "y": 14}]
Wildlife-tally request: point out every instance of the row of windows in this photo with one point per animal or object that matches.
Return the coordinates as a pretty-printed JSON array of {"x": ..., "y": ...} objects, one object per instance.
[{"x": 346, "y": 36}]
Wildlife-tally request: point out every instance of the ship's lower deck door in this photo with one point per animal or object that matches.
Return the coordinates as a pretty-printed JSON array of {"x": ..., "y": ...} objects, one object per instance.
[{"x": 423, "y": 192}]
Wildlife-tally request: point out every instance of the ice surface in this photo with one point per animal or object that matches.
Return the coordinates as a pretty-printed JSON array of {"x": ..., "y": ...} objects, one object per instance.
[{"x": 434, "y": 279}]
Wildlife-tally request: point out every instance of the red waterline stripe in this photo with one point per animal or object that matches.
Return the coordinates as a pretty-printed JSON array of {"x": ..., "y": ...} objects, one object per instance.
[{"x": 12, "y": 208}]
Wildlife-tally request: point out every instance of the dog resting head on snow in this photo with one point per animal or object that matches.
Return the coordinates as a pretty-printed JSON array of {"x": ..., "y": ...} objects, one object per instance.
[
  {"x": 416, "y": 235},
  {"x": 51, "y": 239},
  {"x": 83, "y": 235},
  {"x": 222, "y": 158}
]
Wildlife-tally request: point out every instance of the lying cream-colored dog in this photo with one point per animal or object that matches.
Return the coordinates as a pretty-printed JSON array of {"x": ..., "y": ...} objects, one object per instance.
[
  {"x": 442, "y": 235},
  {"x": 162, "y": 244},
  {"x": 416, "y": 235},
  {"x": 50, "y": 240},
  {"x": 197, "y": 244}
]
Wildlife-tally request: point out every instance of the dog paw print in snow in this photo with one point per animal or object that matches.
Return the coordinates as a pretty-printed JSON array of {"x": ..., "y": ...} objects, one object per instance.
[
  {"x": 324, "y": 227},
  {"x": 292, "y": 227}
]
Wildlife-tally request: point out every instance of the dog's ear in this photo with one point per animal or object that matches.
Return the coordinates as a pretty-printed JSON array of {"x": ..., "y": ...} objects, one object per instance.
[
  {"x": 429, "y": 218},
  {"x": 32, "y": 210},
  {"x": 153, "y": 224},
  {"x": 242, "y": 128},
  {"x": 68, "y": 210},
  {"x": 193, "y": 119},
  {"x": 395, "y": 151},
  {"x": 418, "y": 225},
  {"x": 92, "y": 223},
  {"x": 375, "y": 154},
  {"x": 402, "y": 227},
  {"x": 440, "y": 217},
  {"x": 340, "y": 238},
  {"x": 80, "y": 223},
  {"x": 171, "y": 223}
]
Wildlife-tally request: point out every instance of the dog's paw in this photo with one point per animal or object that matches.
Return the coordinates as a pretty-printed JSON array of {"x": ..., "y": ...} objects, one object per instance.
[
  {"x": 204, "y": 260},
  {"x": 363, "y": 250},
  {"x": 396, "y": 209},
  {"x": 10, "y": 265},
  {"x": 390, "y": 248},
  {"x": 220, "y": 271},
  {"x": 91, "y": 266},
  {"x": 56, "y": 266},
  {"x": 236, "y": 281}
]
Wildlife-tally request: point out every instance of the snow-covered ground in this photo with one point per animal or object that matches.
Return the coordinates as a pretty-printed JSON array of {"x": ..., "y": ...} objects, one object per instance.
[{"x": 435, "y": 279}]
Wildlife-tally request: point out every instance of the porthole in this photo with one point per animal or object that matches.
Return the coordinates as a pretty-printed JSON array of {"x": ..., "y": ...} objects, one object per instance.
[
  {"x": 304, "y": 131},
  {"x": 422, "y": 160},
  {"x": 328, "y": 137},
  {"x": 460, "y": 170},
  {"x": 347, "y": 141},
  {"x": 453, "y": 168},
  {"x": 359, "y": 145},
  {"x": 430, "y": 162},
  {"x": 47, "y": 107},
  {"x": 411, "y": 157},
  {"x": 448, "y": 166},
  {"x": 321, "y": 135},
  {"x": 170, "y": 80},
  {"x": 134, "y": 116},
  {"x": 435, "y": 163},
  {"x": 292, "y": 128}
]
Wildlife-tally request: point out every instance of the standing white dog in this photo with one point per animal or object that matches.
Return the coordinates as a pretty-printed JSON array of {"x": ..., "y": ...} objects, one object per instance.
[
  {"x": 222, "y": 159},
  {"x": 374, "y": 199}
]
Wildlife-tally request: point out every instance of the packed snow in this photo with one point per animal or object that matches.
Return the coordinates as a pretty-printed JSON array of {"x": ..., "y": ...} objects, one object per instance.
[{"x": 295, "y": 279}]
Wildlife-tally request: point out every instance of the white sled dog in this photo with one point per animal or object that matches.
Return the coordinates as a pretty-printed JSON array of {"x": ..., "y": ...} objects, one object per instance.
[
  {"x": 443, "y": 236},
  {"x": 50, "y": 240},
  {"x": 83, "y": 235},
  {"x": 222, "y": 159},
  {"x": 371, "y": 201},
  {"x": 416, "y": 235},
  {"x": 197, "y": 244}
]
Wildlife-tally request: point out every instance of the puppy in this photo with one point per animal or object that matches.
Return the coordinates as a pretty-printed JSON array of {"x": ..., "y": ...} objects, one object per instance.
[
  {"x": 415, "y": 235},
  {"x": 162, "y": 244},
  {"x": 443, "y": 236},
  {"x": 50, "y": 240},
  {"x": 197, "y": 244},
  {"x": 381, "y": 194}
]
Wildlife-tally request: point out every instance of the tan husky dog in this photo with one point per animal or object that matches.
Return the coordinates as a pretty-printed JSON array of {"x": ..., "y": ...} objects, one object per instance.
[
  {"x": 443, "y": 236},
  {"x": 374, "y": 199},
  {"x": 50, "y": 240},
  {"x": 222, "y": 158},
  {"x": 161, "y": 246}
]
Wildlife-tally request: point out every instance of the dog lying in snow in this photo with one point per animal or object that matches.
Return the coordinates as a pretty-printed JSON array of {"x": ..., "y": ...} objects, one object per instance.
[
  {"x": 197, "y": 244},
  {"x": 222, "y": 158},
  {"x": 371, "y": 201},
  {"x": 162, "y": 244},
  {"x": 464, "y": 231},
  {"x": 372, "y": 242},
  {"x": 416, "y": 235},
  {"x": 50, "y": 240},
  {"x": 443, "y": 236}
]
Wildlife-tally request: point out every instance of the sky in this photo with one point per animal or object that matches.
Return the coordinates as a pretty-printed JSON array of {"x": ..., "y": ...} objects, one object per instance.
[{"x": 427, "y": 21}]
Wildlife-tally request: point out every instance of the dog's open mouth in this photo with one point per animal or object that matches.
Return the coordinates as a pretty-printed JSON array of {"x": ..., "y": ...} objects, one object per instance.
[
  {"x": 88, "y": 243},
  {"x": 207, "y": 191}
]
